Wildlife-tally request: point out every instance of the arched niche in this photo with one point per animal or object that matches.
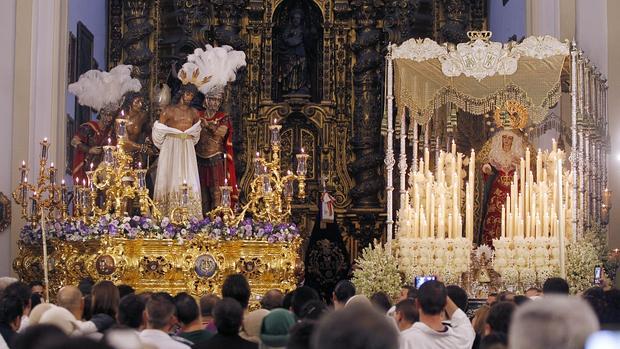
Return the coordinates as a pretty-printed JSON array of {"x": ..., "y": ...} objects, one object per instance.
[{"x": 297, "y": 53}]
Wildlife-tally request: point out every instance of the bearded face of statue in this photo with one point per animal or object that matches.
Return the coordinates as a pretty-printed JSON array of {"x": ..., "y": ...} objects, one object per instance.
[
  {"x": 137, "y": 103},
  {"x": 187, "y": 97},
  {"x": 212, "y": 104},
  {"x": 507, "y": 142},
  {"x": 107, "y": 119}
]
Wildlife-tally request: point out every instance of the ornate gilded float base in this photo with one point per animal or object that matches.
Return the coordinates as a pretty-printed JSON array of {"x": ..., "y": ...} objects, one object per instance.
[{"x": 197, "y": 266}]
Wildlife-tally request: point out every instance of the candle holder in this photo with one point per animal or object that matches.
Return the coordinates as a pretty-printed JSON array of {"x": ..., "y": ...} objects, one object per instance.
[
  {"x": 271, "y": 192},
  {"x": 180, "y": 214}
]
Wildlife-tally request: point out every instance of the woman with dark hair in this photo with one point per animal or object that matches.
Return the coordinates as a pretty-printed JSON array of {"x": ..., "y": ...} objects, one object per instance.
[{"x": 104, "y": 305}]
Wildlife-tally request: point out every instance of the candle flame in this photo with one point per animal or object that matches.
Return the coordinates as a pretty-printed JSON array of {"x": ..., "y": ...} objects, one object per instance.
[
  {"x": 52, "y": 165},
  {"x": 91, "y": 166},
  {"x": 225, "y": 181},
  {"x": 140, "y": 165},
  {"x": 62, "y": 182},
  {"x": 122, "y": 112},
  {"x": 84, "y": 181},
  {"x": 109, "y": 141},
  {"x": 23, "y": 163},
  {"x": 77, "y": 180},
  {"x": 302, "y": 150},
  {"x": 45, "y": 140}
]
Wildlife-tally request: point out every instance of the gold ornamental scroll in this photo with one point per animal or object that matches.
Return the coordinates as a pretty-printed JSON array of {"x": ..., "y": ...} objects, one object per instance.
[{"x": 483, "y": 75}]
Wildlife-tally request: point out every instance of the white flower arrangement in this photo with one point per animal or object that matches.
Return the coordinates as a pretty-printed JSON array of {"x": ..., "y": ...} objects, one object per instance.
[
  {"x": 526, "y": 262},
  {"x": 446, "y": 258},
  {"x": 581, "y": 258},
  {"x": 377, "y": 270}
]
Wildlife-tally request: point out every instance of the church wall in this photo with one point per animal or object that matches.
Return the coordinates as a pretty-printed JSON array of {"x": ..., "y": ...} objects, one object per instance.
[
  {"x": 92, "y": 14},
  {"x": 7, "y": 42}
]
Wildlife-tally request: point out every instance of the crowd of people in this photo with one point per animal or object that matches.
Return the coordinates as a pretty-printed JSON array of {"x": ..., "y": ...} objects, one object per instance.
[{"x": 103, "y": 315}]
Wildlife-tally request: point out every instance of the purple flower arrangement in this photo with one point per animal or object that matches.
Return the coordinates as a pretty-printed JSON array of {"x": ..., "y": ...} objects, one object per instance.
[{"x": 145, "y": 227}]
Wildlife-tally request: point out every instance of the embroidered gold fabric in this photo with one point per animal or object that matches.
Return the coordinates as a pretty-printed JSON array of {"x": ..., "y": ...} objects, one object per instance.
[{"x": 422, "y": 88}]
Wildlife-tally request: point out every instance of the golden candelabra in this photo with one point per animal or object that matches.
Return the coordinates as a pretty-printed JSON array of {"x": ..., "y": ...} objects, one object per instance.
[
  {"x": 112, "y": 186},
  {"x": 271, "y": 191},
  {"x": 44, "y": 195}
]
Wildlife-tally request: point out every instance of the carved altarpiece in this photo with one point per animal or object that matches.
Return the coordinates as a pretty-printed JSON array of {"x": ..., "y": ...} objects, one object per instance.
[{"x": 337, "y": 119}]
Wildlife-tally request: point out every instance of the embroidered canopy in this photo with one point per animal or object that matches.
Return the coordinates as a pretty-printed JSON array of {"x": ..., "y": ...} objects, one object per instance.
[{"x": 478, "y": 75}]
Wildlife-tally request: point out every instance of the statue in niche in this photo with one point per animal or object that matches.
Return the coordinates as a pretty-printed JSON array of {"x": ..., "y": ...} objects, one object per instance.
[{"x": 296, "y": 53}]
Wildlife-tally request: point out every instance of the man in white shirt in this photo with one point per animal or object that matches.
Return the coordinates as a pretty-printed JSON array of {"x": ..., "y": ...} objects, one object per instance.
[
  {"x": 159, "y": 320},
  {"x": 405, "y": 316},
  {"x": 430, "y": 332}
]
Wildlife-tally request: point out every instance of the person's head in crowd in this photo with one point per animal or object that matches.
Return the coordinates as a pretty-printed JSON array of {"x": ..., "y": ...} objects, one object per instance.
[
  {"x": 301, "y": 297},
  {"x": 458, "y": 296},
  {"x": 160, "y": 314},
  {"x": 606, "y": 306},
  {"x": 432, "y": 298},
  {"x": 359, "y": 300},
  {"x": 236, "y": 286},
  {"x": 345, "y": 329},
  {"x": 124, "y": 290},
  {"x": 555, "y": 285},
  {"x": 130, "y": 312},
  {"x": 105, "y": 299},
  {"x": 88, "y": 305},
  {"x": 491, "y": 298},
  {"x": 37, "y": 287},
  {"x": 188, "y": 312},
  {"x": 207, "y": 303},
  {"x": 498, "y": 319},
  {"x": 533, "y": 292},
  {"x": 272, "y": 299},
  {"x": 86, "y": 286},
  {"x": 37, "y": 312},
  {"x": 274, "y": 331},
  {"x": 39, "y": 336},
  {"x": 5, "y": 281},
  {"x": 556, "y": 322},
  {"x": 407, "y": 291},
  {"x": 506, "y": 296},
  {"x": 70, "y": 298},
  {"x": 494, "y": 340},
  {"x": 381, "y": 301},
  {"x": 313, "y": 310},
  {"x": 480, "y": 319},
  {"x": 35, "y": 299},
  {"x": 301, "y": 334},
  {"x": 406, "y": 314},
  {"x": 287, "y": 301},
  {"x": 342, "y": 292},
  {"x": 520, "y": 299},
  {"x": 61, "y": 318},
  {"x": 11, "y": 311},
  {"x": 228, "y": 314},
  {"x": 21, "y": 291},
  {"x": 251, "y": 325}
]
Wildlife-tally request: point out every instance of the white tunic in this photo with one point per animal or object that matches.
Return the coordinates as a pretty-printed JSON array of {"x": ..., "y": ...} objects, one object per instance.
[{"x": 177, "y": 163}]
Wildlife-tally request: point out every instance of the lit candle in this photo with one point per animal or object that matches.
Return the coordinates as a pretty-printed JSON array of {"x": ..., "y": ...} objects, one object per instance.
[
  {"x": 453, "y": 148},
  {"x": 63, "y": 192},
  {"x": 24, "y": 193},
  {"x": 23, "y": 169},
  {"x": 52, "y": 174},
  {"x": 109, "y": 141},
  {"x": 554, "y": 145},
  {"x": 302, "y": 163},
  {"x": 539, "y": 166},
  {"x": 427, "y": 160},
  {"x": 122, "y": 127},
  {"x": 184, "y": 193},
  {"x": 288, "y": 185},
  {"x": 34, "y": 207},
  {"x": 139, "y": 165},
  {"x": 44, "y": 147}
]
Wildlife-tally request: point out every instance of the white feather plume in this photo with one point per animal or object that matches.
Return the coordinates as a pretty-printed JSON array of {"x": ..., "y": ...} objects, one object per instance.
[
  {"x": 217, "y": 66},
  {"x": 97, "y": 89}
]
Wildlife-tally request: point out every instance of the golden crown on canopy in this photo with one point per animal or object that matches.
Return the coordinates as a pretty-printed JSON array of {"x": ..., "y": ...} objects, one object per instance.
[
  {"x": 511, "y": 115},
  {"x": 484, "y": 35}
]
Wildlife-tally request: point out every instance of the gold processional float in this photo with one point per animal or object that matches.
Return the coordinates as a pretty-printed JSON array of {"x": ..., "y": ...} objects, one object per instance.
[{"x": 102, "y": 241}]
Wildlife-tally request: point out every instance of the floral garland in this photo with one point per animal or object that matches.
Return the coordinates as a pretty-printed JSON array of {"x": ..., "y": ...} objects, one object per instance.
[
  {"x": 145, "y": 227},
  {"x": 376, "y": 271},
  {"x": 526, "y": 262},
  {"x": 447, "y": 258}
]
